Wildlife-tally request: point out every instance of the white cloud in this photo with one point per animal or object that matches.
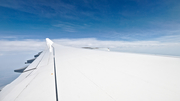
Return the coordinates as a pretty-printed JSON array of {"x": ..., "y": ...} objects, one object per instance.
[
  {"x": 24, "y": 45},
  {"x": 169, "y": 38},
  {"x": 147, "y": 47},
  {"x": 167, "y": 45}
]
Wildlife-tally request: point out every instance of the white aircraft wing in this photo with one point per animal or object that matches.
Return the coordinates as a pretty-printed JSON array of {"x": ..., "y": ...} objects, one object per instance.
[{"x": 63, "y": 73}]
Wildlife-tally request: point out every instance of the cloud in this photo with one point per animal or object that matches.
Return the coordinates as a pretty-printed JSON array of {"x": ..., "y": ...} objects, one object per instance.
[
  {"x": 24, "y": 45},
  {"x": 70, "y": 27},
  {"x": 169, "y": 38},
  {"x": 162, "y": 47},
  {"x": 166, "y": 45},
  {"x": 66, "y": 27}
]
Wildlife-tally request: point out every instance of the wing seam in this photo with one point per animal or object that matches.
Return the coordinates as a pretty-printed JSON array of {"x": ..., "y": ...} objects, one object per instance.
[{"x": 55, "y": 79}]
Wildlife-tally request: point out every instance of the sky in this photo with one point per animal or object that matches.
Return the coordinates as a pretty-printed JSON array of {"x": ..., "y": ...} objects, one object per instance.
[
  {"x": 127, "y": 20},
  {"x": 136, "y": 26}
]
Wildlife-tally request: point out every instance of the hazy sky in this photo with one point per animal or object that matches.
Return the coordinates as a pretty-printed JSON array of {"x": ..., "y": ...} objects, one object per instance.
[{"x": 139, "y": 26}]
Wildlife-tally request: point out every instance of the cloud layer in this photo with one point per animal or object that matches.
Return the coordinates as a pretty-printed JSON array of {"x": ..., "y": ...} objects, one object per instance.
[
  {"x": 145, "y": 47},
  {"x": 24, "y": 45},
  {"x": 168, "y": 45}
]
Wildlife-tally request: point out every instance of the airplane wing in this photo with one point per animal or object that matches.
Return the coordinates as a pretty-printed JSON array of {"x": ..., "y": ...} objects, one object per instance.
[{"x": 64, "y": 73}]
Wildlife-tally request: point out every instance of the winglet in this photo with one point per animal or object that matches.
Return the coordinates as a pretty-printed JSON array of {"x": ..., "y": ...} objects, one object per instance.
[{"x": 49, "y": 44}]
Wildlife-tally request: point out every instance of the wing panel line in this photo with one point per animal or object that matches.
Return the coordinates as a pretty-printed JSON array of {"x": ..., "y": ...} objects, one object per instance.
[{"x": 55, "y": 74}]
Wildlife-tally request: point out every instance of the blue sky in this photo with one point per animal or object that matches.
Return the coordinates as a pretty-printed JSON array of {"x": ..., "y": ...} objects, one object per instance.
[
  {"x": 136, "y": 26},
  {"x": 126, "y": 20}
]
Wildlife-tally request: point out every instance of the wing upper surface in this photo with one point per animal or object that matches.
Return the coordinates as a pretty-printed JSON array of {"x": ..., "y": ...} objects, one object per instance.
[
  {"x": 91, "y": 75},
  {"x": 110, "y": 76}
]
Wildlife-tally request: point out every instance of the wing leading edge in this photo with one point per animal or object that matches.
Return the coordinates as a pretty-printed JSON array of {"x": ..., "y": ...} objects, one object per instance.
[{"x": 65, "y": 73}]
